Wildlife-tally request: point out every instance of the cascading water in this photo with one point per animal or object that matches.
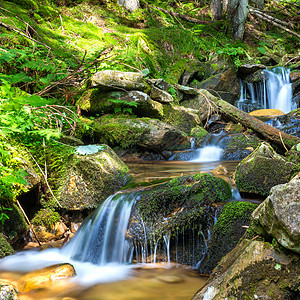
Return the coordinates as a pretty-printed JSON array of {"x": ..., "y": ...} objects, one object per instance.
[
  {"x": 212, "y": 152},
  {"x": 101, "y": 239},
  {"x": 274, "y": 92}
]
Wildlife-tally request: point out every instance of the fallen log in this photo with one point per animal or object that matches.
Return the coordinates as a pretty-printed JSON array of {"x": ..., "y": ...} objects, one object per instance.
[{"x": 279, "y": 138}]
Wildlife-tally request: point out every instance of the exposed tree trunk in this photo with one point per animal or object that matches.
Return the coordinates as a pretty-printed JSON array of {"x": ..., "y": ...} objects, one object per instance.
[
  {"x": 273, "y": 135},
  {"x": 216, "y": 9},
  {"x": 130, "y": 5}
]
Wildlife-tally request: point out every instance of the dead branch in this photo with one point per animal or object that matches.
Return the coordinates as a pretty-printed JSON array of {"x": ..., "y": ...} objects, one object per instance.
[
  {"x": 182, "y": 17},
  {"x": 259, "y": 15},
  {"x": 19, "y": 31}
]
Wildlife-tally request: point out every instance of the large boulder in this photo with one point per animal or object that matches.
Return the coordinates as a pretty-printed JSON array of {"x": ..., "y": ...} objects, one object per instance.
[
  {"x": 93, "y": 173},
  {"x": 130, "y": 5},
  {"x": 110, "y": 80},
  {"x": 160, "y": 95},
  {"x": 279, "y": 215},
  {"x": 145, "y": 133},
  {"x": 263, "y": 169},
  {"x": 227, "y": 232},
  {"x": 95, "y": 102},
  {"x": 5, "y": 247},
  {"x": 254, "y": 270},
  {"x": 177, "y": 211}
]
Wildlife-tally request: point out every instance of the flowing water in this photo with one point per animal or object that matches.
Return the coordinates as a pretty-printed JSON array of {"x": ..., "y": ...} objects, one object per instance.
[{"x": 273, "y": 92}]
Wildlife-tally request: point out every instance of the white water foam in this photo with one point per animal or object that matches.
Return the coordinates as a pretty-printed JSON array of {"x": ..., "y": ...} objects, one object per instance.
[{"x": 208, "y": 154}]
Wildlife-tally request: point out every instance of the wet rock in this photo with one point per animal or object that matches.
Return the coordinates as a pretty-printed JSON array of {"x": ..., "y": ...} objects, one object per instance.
[
  {"x": 109, "y": 80},
  {"x": 160, "y": 95},
  {"x": 290, "y": 123},
  {"x": 92, "y": 174},
  {"x": 279, "y": 215},
  {"x": 170, "y": 279},
  {"x": 8, "y": 291},
  {"x": 219, "y": 170},
  {"x": 247, "y": 69},
  {"x": 201, "y": 136},
  {"x": 263, "y": 169},
  {"x": 270, "y": 113},
  {"x": 180, "y": 117},
  {"x": 163, "y": 85},
  {"x": 145, "y": 133},
  {"x": 226, "y": 233},
  {"x": 98, "y": 102},
  {"x": 45, "y": 277},
  {"x": 5, "y": 248},
  {"x": 238, "y": 146},
  {"x": 254, "y": 270},
  {"x": 45, "y": 234}
]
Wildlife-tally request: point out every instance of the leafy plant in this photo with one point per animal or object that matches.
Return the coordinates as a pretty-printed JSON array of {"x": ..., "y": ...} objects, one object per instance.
[
  {"x": 122, "y": 106},
  {"x": 3, "y": 215},
  {"x": 46, "y": 217}
]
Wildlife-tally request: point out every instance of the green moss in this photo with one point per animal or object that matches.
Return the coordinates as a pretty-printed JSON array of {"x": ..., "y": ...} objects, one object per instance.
[
  {"x": 242, "y": 141},
  {"x": 192, "y": 192},
  {"x": 46, "y": 217},
  {"x": 5, "y": 247},
  {"x": 200, "y": 134}
]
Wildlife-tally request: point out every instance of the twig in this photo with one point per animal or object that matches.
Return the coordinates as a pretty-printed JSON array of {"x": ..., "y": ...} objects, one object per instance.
[
  {"x": 183, "y": 17},
  {"x": 18, "y": 31},
  {"x": 45, "y": 180},
  {"x": 283, "y": 142},
  {"x": 27, "y": 220}
]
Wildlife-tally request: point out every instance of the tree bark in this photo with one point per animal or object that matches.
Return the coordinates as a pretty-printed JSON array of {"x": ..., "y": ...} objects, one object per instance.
[
  {"x": 216, "y": 9},
  {"x": 279, "y": 138}
]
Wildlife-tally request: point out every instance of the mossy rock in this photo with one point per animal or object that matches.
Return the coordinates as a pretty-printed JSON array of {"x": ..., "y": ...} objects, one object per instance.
[
  {"x": 200, "y": 135},
  {"x": 180, "y": 117},
  {"x": 240, "y": 145},
  {"x": 149, "y": 134},
  {"x": 263, "y": 169},
  {"x": 254, "y": 270},
  {"x": 91, "y": 178},
  {"x": 227, "y": 232},
  {"x": 190, "y": 192},
  {"x": 5, "y": 247},
  {"x": 15, "y": 228},
  {"x": 96, "y": 102}
]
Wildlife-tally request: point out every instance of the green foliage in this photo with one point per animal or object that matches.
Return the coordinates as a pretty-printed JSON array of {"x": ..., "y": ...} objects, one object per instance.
[
  {"x": 5, "y": 247},
  {"x": 3, "y": 215},
  {"x": 46, "y": 217},
  {"x": 122, "y": 106}
]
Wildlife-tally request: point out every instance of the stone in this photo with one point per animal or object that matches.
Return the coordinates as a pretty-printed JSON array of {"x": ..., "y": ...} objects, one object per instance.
[
  {"x": 187, "y": 90},
  {"x": 163, "y": 85},
  {"x": 109, "y": 80},
  {"x": 178, "y": 208},
  {"x": 200, "y": 102},
  {"x": 8, "y": 291},
  {"x": 181, "y": 117},
  {"x": 247, "y": 69},
  {"x": 5, "y": 247},
  {"x": 266, "y": 113},
  {"x": 97, "y": 102},
  {"x": 146, "y": 133},
  {"x": 226, "y": 232},
  {"x": 45, "y": 235},
  {"x": 263, "y": 169},
  {"x": 160, "y": 95},
  {"x": 89, "y": 179},
  {"x": 254, "y": 270},
  {"x": 130, "y": 5},
  {"x": 45, "y": 277},
  {"x": 225, "y": 85},
  {"x": 279, "y": 215}
]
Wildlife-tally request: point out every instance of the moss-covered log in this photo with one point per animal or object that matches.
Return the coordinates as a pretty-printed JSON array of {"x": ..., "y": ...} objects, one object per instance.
[{"x": 278, "y": 138}]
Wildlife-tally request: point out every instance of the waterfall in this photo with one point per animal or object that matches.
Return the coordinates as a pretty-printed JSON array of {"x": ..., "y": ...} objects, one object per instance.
[
  {"x": 274, "y": 92},
  {"x": 208, "y": 154},
  {"x": 101, "y": 239}
]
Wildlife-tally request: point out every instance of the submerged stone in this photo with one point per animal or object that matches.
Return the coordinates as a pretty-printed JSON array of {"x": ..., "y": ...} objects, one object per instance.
[
  {"x": 263, "y": 169},
  {"x": 90, "y": 179},
  {"x": 254, "y": 270},
  {"x": 45, "y": 277},
  {"x": 279, "y": 215},
  {"x": 8, "y": 291}
]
